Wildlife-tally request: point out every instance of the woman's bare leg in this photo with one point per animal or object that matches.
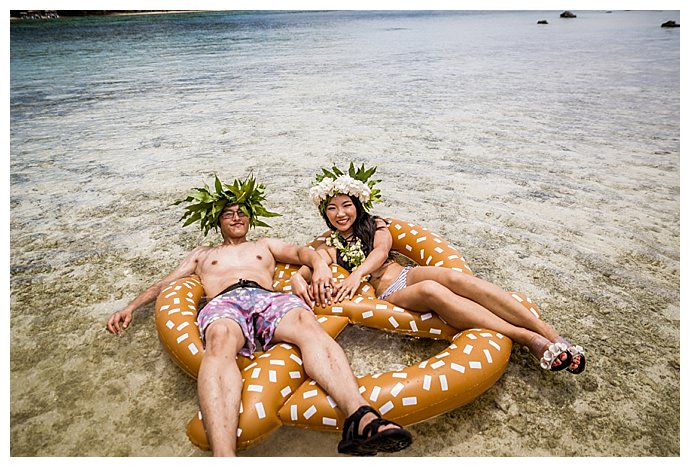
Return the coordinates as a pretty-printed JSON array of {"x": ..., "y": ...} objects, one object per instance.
[
  {"x": 463, "y": 313},
  {"x": 490, "y": 296}
]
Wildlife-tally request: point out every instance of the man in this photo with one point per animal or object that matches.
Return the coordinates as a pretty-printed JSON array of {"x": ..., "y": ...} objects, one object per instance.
[{"x": 238, "y": 275}]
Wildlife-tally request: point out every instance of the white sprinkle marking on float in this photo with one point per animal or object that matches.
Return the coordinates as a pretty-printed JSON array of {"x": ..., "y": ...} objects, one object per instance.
[
  {"x": 397, "y": 388},
  {"x": 309, "y": 412}
]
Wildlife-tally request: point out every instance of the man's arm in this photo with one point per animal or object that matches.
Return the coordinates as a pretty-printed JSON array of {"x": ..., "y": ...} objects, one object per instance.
[
  {"x": 324, "y": 251},
  {"x": 322, "y": 277},
  {"x": 124, "y": 316}
]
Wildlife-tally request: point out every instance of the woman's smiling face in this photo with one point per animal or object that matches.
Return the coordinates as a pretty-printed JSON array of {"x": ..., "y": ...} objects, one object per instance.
[{"x": 342, "y": 213}]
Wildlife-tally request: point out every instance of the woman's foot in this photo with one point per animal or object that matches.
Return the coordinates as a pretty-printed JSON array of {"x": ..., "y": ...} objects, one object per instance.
[
  {"x": 556, "y": 357},
  {"x": 553, "y": 356},
  {"x": 578, "y": 362}
]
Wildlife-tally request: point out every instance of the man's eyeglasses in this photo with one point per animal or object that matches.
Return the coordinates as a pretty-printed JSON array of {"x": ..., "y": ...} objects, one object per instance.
[{"x": 232, "y": 214}]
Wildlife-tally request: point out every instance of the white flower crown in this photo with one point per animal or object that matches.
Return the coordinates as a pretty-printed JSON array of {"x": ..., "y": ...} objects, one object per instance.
[
  {"x": 344, "y": 184},
  {"x": 357, "y": 183}
]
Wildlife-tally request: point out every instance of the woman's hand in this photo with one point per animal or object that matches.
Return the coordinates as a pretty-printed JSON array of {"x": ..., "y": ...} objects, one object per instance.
[
  {"x": 346, "y": 289},
  {"x": 302, "y": 289}
]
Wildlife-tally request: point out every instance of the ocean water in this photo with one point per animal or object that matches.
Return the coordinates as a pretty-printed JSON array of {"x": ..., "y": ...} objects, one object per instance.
[
  {"x": 103, "y": 107},
  {"x": 555, "y": 144}
]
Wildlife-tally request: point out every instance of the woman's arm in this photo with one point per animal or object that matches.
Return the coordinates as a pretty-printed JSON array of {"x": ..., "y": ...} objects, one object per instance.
[{"x": 383, "y": 241}]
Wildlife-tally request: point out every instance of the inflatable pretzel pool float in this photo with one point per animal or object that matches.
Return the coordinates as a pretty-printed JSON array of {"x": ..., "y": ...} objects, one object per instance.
[{"x": 276, "y": 389}]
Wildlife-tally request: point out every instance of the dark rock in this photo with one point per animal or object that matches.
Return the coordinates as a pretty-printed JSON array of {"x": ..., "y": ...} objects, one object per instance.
[
  {"x": 568, "y": 14},
  {"x": 542, "y": 21},
  {"x": 670, "y": 24}
]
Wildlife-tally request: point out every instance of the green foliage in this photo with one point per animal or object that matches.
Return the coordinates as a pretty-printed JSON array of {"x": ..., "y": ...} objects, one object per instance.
[{"x": 207, "y": 204}]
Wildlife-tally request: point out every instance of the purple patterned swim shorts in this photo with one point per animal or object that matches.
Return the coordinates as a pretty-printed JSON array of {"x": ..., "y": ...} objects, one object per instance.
[{"x": 257, "y": 311}]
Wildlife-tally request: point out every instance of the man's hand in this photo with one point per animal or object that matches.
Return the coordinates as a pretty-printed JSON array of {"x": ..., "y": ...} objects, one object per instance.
[
  {"x": 187, "y": 267},
  {"x": 322, "y": 284},
  {"x": 302, "y": 289},
  {"x": 124, "y": 316}
]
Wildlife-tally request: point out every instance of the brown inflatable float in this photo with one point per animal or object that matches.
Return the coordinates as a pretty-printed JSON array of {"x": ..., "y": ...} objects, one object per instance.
[{"x": 276, "y": 389}]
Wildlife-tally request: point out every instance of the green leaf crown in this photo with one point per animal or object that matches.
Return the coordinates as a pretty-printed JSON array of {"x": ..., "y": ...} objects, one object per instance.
[{"x": 208, "y": 203}]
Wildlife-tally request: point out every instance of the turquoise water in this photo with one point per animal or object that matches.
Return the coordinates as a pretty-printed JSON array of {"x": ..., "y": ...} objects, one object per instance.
[
  {"x": 102, "y": 102},
  {"x": 104, "y": 106},
  {"x": 548, "y": 153}
]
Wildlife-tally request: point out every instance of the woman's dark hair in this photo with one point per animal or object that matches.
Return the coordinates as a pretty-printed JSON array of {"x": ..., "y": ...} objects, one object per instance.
[{"x": 364, "y": 228}]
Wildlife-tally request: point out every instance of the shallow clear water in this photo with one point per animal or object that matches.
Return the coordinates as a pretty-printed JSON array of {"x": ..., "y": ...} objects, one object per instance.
[{"x": 548, "y": 153}]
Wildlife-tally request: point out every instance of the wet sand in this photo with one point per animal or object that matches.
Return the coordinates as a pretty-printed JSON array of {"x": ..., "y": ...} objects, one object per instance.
[{"x": 601, "y": 263}]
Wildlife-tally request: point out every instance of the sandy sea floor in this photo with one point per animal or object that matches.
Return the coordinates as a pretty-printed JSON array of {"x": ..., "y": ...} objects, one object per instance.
[
  {"x": 608, "y": 281},
  {"x": 582, "y": 219}
]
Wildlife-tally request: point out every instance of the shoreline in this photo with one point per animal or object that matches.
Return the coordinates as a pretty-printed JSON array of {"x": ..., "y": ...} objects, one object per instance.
[
  {"x": 118, "y": 13},
  {"x": 158, "y": 12}
]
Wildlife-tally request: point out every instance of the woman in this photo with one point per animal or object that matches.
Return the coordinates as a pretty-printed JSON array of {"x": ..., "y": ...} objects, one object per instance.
[{"x": 361, "y": 243}]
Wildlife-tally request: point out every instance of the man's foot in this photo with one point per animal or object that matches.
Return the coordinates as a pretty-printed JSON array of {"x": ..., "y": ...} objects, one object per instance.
[{"x": 374, "y": 436}]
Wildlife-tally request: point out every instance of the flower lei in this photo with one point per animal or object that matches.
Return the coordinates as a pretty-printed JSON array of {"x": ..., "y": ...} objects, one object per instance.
[
  {"x": 357, "y": 182},
  {"x": 351, "y": 252}
]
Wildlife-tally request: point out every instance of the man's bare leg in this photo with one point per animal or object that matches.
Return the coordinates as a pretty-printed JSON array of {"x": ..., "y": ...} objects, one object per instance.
[
  {"x": 324, "y": 361},
  {"x": 219, "y": 385}
]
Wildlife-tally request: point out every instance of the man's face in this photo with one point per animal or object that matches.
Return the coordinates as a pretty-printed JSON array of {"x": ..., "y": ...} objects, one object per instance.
[{"x": 233, "y": 222}]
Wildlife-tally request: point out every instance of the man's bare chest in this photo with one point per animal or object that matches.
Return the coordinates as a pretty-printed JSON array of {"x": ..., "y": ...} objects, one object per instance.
[{"x": 231, "y": 257}]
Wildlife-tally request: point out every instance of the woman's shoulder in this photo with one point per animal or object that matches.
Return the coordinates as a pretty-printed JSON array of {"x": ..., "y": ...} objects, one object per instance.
[
  {"x": 327, "y": 236},
  {"x": 326, "y": 240},
  {"x": 381, "y": 222},
  {"x": 382, "y": 231}
]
